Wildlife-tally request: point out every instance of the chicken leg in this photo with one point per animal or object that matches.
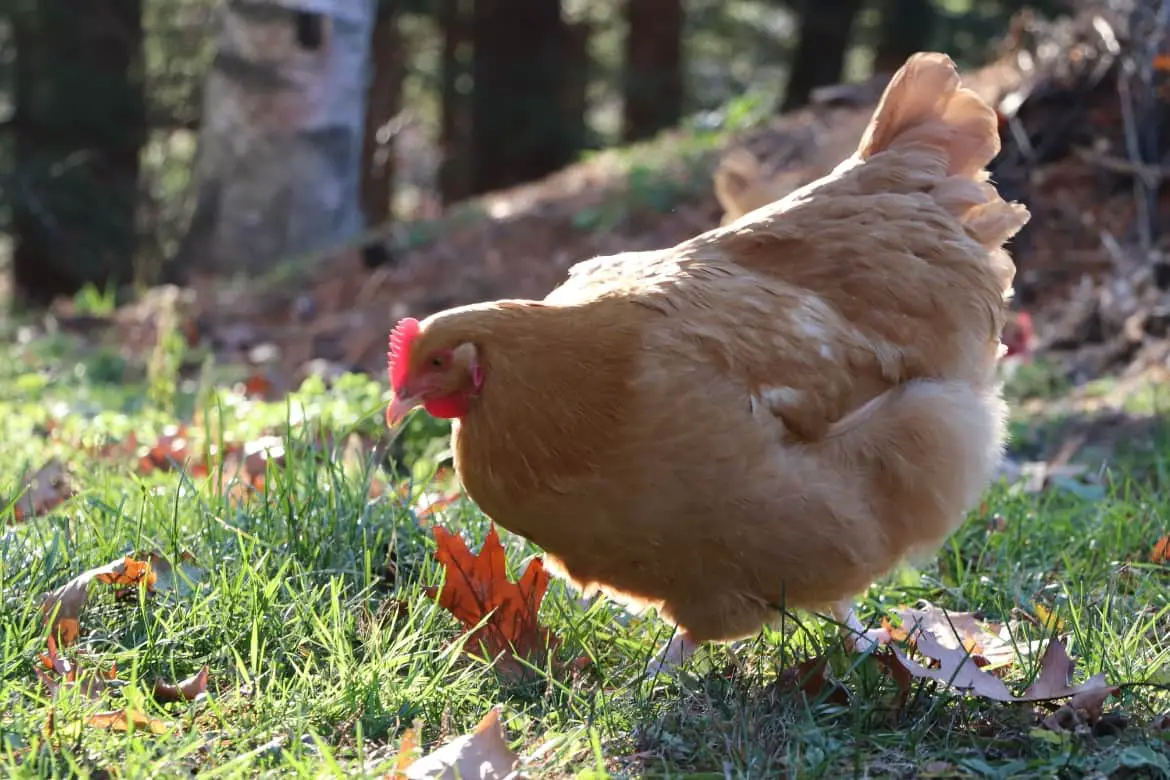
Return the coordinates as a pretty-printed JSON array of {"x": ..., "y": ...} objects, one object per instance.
[
  {"x": 673, "y": 655},
  {"x": 857, "y": 638}
]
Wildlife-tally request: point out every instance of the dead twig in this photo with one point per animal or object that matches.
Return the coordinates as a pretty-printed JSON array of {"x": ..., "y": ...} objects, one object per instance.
[
  {"x": 1151, "y": 174},
  {"x": 1141, "y": 189}
]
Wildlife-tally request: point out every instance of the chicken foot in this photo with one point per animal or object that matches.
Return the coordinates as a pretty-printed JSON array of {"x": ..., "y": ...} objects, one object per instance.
[
  {"x": 676, "y": 652},
  {"x": 857, "y": 638}
]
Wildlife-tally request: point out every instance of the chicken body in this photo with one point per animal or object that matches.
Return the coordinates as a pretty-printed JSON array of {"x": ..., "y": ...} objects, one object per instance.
[{"x": 770, "y": 415}]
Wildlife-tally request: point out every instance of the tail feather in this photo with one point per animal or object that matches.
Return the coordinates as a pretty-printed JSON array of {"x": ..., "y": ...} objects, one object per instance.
[
  {"x": 925, "y": 104},
  {"x": 926, "y": 108}
]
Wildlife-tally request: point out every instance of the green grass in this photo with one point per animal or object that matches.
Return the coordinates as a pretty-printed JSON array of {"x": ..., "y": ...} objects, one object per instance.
[{"x": 321, "y": 657}]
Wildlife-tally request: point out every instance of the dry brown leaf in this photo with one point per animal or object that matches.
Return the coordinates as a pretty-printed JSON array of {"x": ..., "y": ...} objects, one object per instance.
[
  {"x": 91, "y": 684},
  {"x": 246, "y": 462},
  {"x": 67, "y": 630},
  {"x": 483, "y": 754},
  {"x": 55, "y": 662},
  {"x": 430, "y": 504},
  {"x": 955, "y": 668},
  {"x": 811, "y": 677},
  {"x": 1048, "y": 619},
  {"x": 187, "y": 690},
  {"x": 1083, "y": 709},
  {"x": 115, "y": 449},
  {"x": 960, "y": 671},
  {"x": 893, "y": 667},
  {"x": 71, "y": 596},
  {"x": 991, "y": 644},
  {"x": 126, "y": 720},
  {"x": 43, "y": 490},
  {"x": 1056, "y": 669}
]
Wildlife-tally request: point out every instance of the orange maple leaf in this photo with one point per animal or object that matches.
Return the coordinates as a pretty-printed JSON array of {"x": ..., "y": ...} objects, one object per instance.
[
  {"x": 1161, "y": 551},
  {"x": 259, "y": 386},
  {"x": 477, "y": 586},
  {"x": 128, "y": 572}
]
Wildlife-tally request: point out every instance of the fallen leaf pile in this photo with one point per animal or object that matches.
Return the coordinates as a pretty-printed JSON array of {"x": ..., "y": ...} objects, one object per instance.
[
  {"x": 961, "y": 651},
  {"x": 501, "y": 615},
  {"x": 959, "y": 669},
  {"x": 240, "y": 469},
  {"x": 965, "y": 653},
  {"x": 92, "y": 685},
  {"x": 63, "y": 607},
  {"x": 242, "y": 464},
  {"x": 59, "y": 674}
]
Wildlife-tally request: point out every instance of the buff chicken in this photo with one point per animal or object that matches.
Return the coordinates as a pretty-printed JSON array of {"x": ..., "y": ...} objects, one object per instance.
[{"x": 768, "y": 416}]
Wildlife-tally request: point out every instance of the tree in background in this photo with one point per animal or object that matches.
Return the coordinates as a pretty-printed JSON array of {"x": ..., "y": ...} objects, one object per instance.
[
  {"x": 652, "y": 86},
  {"x": 575, "y": 86},
  {"x": 280, "y": 148},
  {"x": 383, "y": 104},
  {"x": 906, "y": 27},
  {"x": 454, "y": 101},
  {"x": 79, "y": 126},
  {"x": 522, "y": 62},
  {"x": 824, "y": 36},
  {"x": 506, "y": 91}
]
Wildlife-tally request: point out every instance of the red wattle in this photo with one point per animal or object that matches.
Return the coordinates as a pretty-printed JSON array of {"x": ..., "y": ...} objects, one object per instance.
[{"x": 447, "y": 407}]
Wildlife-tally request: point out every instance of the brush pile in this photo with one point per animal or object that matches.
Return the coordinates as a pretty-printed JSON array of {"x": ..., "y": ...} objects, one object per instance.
[{"x": 1086, "y": 131}]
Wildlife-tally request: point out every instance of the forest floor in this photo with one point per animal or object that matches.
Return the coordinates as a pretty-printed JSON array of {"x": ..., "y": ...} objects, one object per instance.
[{"x": 245, "y": 584}]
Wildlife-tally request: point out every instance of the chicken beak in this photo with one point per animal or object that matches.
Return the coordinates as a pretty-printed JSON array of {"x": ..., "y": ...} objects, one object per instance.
[{"x": 399, "y": 408}]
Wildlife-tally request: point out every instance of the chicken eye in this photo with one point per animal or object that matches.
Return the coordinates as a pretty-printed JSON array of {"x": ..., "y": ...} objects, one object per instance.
[{"x": 437, "y": 361}]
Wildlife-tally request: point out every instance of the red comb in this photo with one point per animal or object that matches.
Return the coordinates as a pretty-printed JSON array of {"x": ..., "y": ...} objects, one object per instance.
[{"x": 398, "y": 358}]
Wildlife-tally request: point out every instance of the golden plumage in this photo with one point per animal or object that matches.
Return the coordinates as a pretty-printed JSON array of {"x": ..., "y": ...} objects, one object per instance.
[{"x": 776, "y": 411}]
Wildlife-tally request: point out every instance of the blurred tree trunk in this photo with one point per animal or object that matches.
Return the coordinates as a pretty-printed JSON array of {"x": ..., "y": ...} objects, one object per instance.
[
  {"x": 826, "y": 28},
  {"x": 520, "y": 66},
  {"x": 79, "y": 125},
  {"x": 384, "y": 100},
  {"x": 280, "y": 149},
  {"x": 653, "y": 78},
  {"x": 906, "y": 27},
  {"x": 383, "y": 103},
  {"x": 455, "y": 77},
  {"x": 575, "y": 88}
]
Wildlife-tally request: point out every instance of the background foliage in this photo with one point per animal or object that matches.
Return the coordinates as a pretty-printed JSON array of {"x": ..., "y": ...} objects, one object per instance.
[{"x": 735, "y": 55}]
